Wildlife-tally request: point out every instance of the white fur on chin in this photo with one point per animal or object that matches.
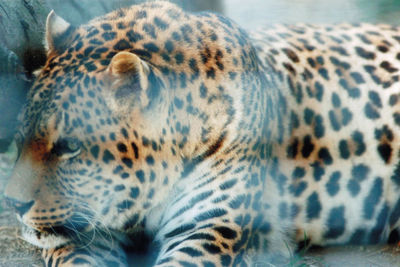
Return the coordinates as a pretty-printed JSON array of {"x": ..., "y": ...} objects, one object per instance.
[{"x": 42, "y": 240}]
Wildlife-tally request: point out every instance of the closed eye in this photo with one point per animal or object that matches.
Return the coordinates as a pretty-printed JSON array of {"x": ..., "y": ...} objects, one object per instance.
[{"x": 67, "y": 148}]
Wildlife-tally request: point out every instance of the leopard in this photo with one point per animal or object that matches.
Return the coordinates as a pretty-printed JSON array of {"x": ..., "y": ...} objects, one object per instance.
[{"x": 214, "y": 145}]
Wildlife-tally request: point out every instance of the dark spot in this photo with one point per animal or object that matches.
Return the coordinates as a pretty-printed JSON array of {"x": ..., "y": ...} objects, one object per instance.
[
  {"x": 308, "y": 146},
  {"x": 135, "y": 150},
  {"x": 211, "y": 248},
  {"x": 239, "y": 244},
  {"x": 344, "y": 149},
  {"x": 384, "y": 132},
  {"x": 371, "y": 112},
  {"x": 357, "y": 77},
  {"x": 210, "y": 214},
  {"x": 311, "y": 62},
  {"x": 324, "y": 73},
  {"x": 318, "y": 171},
  {"x": 313, "y": 206},
  {"x": 90, "y": 66},
  {"x": 373, "y": 198},
  {"x": 134, "y": 192},
  {"x": 375, "y": 98},
  {"x": 150, "y": 30},
  {"x": 151, "y": 47},
  {"x": 360, "y": 172},
  {"x": 339, "y": 50},
  {"x": 145, "y": 141},
  {"x": 359, "y": 140},
  {"x": 354, "y": 187},
  {"x": 87, "y": 51},
  {"x": 140, "y": 176},
  {"x": 226, "y": 232},
  {"x": 193, "y": 65},
  {"x": 325, "y": 156},
  {"x": 124, "y": 133},
  {"x": 180, "y": 230},
  {"x": 150, "y": 160},
  {"x": 225, "y": 260},
  {"x": 291, "y": 55},
  {"x": 169, "y": 46},
  {"x": 203, "y": 91},
  {"x": 308, "y": 116},
  {"x": 332, "y": 186},
  {"x": 228, "y": 184},
  {"x": 106, "y": 26},
  {"x": 109, "y": 35},
  {"x": 201, "y": 236},
  {"x": 358, "y": 237},
  {"x": 388, "y": 67},
  {"x": 334, "y": 121},
  {"x": 298, "y": 188},
  {"x": 107, "y": 156},
  {"x": 319, "y": 91},
  {"x": 121, "y": 25},
  {"x": 298, "y": 173},
  {"x": 376, "y": 235},
  {"x": 393, "y": 100},
  {"x": 292, "y": 149},
  {"x": 179, "y": 58},
  {"x": 396, "y": 117},
  {"x": 191, "y": 252},
  {"x": 319, "y": 129},
  {"x": 119, "y": 188},
  {"x": 385, "y": 151},
  {"x": 364, "y": 53},
  {"x": 128, "y": 162},
  {"x": 211, "y": 73},
  {"x": 335, "y": 223},
  {"x": 122, "y": 45},
  {"x": 237, "y": 201},
  {"x": 133, "y": 36},
  {"x": 124, "y": 205},
  {"x": 178, "y": 103},
  {"x": 161, "y": 24},
  {"x": 122, "y": 148}
]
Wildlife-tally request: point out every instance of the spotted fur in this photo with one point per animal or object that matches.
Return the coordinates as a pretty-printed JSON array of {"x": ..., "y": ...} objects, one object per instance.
[{"x": 216, "y": 144}]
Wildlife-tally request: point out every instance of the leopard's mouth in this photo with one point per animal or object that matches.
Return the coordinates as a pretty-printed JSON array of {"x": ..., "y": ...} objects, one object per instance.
[
  {"x": 51, "y": 236},
  {"x": 43, "y": 239}
]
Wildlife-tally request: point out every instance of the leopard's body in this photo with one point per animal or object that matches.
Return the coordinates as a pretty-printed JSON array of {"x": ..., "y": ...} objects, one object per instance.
[
  {"x": 218, "y": 144},
  {"x": 339, "y": 158}
]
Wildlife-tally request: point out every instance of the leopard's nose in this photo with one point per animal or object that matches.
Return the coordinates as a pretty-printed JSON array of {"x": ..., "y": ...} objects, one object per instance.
[{"x": 20, "y": 207}]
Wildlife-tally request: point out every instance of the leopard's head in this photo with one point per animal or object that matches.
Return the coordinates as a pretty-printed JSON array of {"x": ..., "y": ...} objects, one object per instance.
[{"x": 121, "y": 105}]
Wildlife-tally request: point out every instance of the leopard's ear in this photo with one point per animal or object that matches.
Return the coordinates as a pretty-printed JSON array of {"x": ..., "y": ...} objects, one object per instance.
[
  {"x": 128, "y": 77},
  {"x": 58, "y": 33},
  {"x": 126, "y": 67}
]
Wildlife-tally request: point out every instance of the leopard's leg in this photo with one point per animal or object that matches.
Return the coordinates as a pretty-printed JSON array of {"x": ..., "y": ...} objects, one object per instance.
[
  {"x": 225, "y": 224},
  {"x": 220, "y": 244},
  {"x": 102, "y": 255}
]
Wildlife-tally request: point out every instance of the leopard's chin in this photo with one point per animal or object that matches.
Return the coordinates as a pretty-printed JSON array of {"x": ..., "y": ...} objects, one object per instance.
[{"x": 43, "y": 239}]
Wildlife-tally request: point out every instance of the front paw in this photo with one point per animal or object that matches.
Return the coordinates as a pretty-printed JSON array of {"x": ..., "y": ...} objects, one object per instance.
[{"x": 83, "y": 256}]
